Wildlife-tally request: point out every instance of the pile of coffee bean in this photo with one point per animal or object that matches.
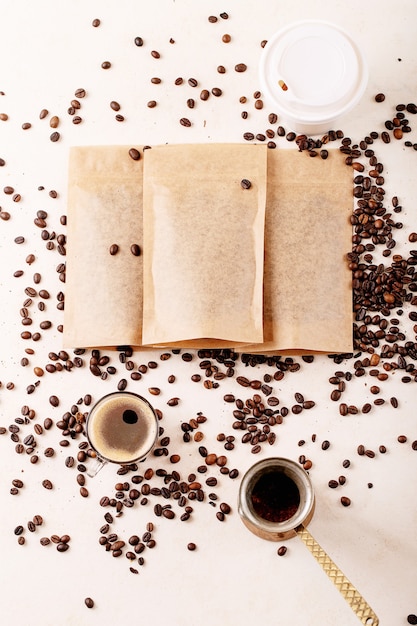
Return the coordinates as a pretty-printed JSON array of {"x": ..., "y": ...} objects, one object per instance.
[{"x": 62, "y": 542}]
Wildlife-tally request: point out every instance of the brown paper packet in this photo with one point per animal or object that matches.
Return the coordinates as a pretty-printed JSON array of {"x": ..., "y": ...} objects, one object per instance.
[
  {"x": 204, "y": 243},
  {"x": 103, "y": 294},
  {"x": 307, "y": 283}
]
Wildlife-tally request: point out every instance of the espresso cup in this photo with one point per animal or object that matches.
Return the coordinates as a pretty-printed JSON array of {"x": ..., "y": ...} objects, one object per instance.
[{"x": 122, "y": 428}]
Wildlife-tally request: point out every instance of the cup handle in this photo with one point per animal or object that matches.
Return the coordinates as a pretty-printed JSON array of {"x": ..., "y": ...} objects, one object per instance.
[
  {"x": 352, "y": 596},
  {"x": 99, "y": 463}
]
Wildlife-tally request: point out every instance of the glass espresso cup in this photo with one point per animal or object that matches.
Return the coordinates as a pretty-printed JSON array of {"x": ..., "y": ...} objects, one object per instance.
[{"x": 122, "y": 428}]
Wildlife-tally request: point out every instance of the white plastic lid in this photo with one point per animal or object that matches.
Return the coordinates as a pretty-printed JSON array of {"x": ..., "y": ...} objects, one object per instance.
[{"x": 313, "y": 71}]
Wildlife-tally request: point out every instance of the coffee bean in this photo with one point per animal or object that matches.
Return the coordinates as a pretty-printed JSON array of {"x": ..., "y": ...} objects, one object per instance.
[
  {"x": 47, "y": 484},
  {"x": 31, "y": 526},
  {"x": 345, "y": 501},
  {"x": 89, "y": 603},
  {"x": 282, "y": 550},
  {"x": 134, "y": 154},
  {"x": 55, "y": 136},
  {"x": 62, "y": 547},
  {"x": 380, "y": 97},
  {"x": 245, "y": 183},
  {"x": 54, "y": 121},
  {"x": 114, "y": 248},
  {"x": 184, "y": 121},
  {"x": 241, "y": 67}
]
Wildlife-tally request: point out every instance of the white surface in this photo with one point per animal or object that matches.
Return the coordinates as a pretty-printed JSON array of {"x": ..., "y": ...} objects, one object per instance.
[{"x": 48, "y": 50}]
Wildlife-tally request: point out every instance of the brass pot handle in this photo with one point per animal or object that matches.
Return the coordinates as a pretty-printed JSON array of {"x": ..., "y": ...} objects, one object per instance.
[{"x": 352, "y": 596}]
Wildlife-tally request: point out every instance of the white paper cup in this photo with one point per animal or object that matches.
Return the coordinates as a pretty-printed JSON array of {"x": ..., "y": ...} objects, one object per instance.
[{"x": 313, "y": 73}]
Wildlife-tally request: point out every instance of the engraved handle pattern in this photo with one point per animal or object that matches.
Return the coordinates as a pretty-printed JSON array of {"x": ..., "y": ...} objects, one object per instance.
[{"x": 348, "y": 591}]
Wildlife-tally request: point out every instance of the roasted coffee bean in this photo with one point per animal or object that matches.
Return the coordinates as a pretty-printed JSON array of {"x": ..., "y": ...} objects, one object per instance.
[
  {"x": 245, "y": 183},
  {"x": 343, "y": 409},
  {"x": 47, "y": 484},
  {"x": 114, "y": 249},
  {"x": 89, "y": 603},
  {"x": 345, "y": 501},
  {"x": 380, "y": 97},
  {"x": 134, "y": 154},
  {"x": 184, "y": 121},
  {"x": 62, "y": 547}
]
